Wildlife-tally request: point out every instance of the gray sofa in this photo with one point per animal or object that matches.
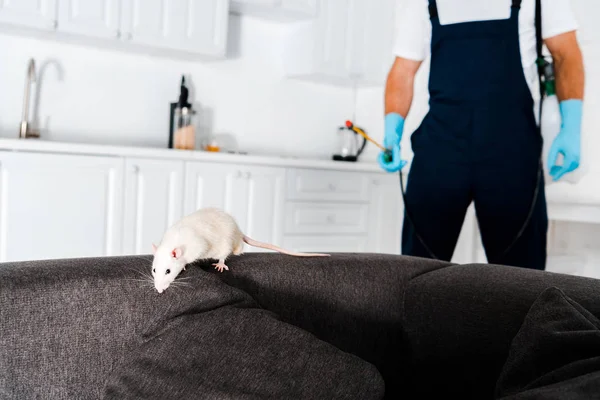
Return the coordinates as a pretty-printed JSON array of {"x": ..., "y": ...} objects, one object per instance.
[{"x": 353, "y": 326}]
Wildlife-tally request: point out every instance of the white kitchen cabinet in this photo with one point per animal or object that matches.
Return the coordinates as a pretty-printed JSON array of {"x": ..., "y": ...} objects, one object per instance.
[
  {"x": 40, "y": 14},
  {"x": 95, "y": 18},
  {"x": 188, "y": 28},
  {"x": 153, "y": 201},
  {"x": 208, "y": 185},
  {"x": 253, "y": 195},
  {"x": 349, "y": 42},
  {"x": 257, "y": 202},
  {"x": 326, "y": 244},
  {"x": 284, "y": 10},
  {"x": 59, "y": 206},
  {"x": 319, "y": 185},
  {"x": 326, "y": 218},
  {"x": 374, "y": 54},
  {"x": 386, "y": 214},
  {"x": 193, "y": 26}
]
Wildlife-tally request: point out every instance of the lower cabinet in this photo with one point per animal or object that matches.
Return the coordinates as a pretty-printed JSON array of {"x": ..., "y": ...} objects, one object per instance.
[
  {"x": 64, "y": 206},
  {"x": 59, "y": 206},
  {"x": 386, "y": 213},
  {"x": 153, "y": 201},
  {"x": 341, "y": 211},
  {"x": 253, "y": 195}
]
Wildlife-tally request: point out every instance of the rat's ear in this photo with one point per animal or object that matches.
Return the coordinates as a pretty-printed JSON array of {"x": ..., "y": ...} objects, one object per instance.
[
  {"x": 153, "y": 248},
  {"x": 176, "y": 253}
]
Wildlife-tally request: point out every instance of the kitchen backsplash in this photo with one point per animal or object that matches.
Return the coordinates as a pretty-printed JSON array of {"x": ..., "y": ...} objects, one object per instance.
[{"x": 94, "y": 95}]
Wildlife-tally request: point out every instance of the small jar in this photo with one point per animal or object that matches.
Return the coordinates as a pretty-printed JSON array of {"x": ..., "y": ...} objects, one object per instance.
[{"x": 184, "y": 136}]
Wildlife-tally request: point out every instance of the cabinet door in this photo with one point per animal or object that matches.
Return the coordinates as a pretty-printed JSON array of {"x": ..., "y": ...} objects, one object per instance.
[
  {"x": 373, "y": 38},
  {"x": 97, "y": 18},
  {"x": 257, "y": 202},
  {"x": 153, "y": 202},
  {"x": 195, "y": 26},
  {"x": 386, "y": 213},
  {"x": 286, "y": 10},
  {"x": 29, "y": 13},
  {"x": 307, "y": 7},
  {"x": 209, "y": 185},
  {"x": 252, "y": 195},
  {"x": 332, "y": 31},
  {"x": 59, "y": 206}
]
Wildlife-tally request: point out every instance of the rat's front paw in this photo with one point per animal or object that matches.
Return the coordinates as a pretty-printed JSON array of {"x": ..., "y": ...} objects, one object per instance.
[{"x": 221, "y": 266}]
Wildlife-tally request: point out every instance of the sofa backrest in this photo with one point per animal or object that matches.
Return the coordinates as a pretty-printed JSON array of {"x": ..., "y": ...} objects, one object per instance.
[{"x": 64, "y": 324}]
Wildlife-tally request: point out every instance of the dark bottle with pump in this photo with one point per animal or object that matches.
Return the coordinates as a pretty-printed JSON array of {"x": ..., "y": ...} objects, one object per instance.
[{"x": 181, "y": 126}]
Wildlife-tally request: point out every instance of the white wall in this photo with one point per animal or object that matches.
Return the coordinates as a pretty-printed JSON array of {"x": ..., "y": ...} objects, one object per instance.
[{"x": 104, "y": 96}]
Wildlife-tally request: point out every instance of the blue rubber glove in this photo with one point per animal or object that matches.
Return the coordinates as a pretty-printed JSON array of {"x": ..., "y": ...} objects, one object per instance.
[
  {"x": 568, "y": 140},
  {"x": 394, "y": 125}
]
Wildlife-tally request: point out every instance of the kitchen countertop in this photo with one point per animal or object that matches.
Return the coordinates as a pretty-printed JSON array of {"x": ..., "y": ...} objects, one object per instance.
[{"x": 45, "y": 146}]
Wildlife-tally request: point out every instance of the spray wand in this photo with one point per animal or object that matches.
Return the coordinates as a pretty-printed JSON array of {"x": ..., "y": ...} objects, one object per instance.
[{"x": 387, "y": 152}]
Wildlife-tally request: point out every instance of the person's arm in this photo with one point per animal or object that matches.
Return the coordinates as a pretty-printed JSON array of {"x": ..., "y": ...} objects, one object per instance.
[
  {"x": 568, "y": 66},
  {"x": 400, "y": 86},
  {"x": 569, "y": 75}
]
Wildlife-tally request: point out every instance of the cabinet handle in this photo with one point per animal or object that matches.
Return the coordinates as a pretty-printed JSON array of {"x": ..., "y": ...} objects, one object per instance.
[
  {"x": 248, "y": 174},
  {"x": 332, "y": 187},
  {"x": 238, "y": 174},
  {"x": 55, "y": 24},
  {"x": 135, "y": 169},
  {"x": 118, "y": 34}
]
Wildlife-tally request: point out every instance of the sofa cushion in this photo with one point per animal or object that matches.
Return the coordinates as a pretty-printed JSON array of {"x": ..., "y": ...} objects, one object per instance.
[
  {"x": 555, "y": 354},
  {"x": 241, "y": 353},
  {"x": 460, "y": 322},
  {"x": 69, "y": 325},
  {"x": 353, "y": 301}
]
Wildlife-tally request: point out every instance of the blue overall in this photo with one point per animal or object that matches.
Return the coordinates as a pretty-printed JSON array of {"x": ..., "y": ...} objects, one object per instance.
[{"x": 478, "y": 143}]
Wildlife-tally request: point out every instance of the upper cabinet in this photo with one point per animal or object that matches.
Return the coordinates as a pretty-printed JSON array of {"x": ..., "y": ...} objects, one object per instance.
[
  {"x": 285, "y": 10},
  {"x": 40, "y": 14},
  {"x": 97, "y": 18},
  {"x": 190, "y": 28},
  {"x": 194, "y": 26},
  {"x": 349, "y": 42}
]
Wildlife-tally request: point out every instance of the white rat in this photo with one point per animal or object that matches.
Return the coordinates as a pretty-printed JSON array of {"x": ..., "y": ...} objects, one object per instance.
[{"x": 208, "y": 233}]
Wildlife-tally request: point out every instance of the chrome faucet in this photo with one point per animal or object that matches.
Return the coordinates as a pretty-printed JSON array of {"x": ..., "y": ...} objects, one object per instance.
[{"x": 26, "y": 131}]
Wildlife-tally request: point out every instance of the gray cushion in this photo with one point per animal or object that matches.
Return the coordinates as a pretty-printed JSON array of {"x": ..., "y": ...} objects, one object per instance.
[
  {"x": 241, "y": 353},
  {"x": 460, "y": 322},
  {"x": 67, "y": 325},
  {"x": 555, "y": 354}
]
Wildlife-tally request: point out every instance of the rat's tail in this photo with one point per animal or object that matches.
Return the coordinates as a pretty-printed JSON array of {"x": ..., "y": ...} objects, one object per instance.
[{"x": 262, "y": 245}]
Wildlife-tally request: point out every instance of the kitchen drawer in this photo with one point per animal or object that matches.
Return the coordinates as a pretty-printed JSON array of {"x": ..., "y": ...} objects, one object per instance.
[
  {"x": 325, "y": 244},
  {"x": 326, "y": 218},
  {"x": 306, "y": 184}
]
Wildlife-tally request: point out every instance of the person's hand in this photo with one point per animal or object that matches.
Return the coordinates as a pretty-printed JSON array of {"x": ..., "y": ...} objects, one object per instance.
[
  {"x": 568, "y": 140},
  {"x": 394, "y": 125}
]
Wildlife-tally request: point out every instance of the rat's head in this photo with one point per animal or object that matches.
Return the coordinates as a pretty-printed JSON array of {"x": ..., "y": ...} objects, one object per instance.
[{"x": 167, "y": 264}]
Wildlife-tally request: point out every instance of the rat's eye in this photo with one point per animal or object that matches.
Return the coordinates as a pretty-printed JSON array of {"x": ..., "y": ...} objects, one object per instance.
[
  {"x": 168, "y": 271},
  {"x": 154, "y": 270}
]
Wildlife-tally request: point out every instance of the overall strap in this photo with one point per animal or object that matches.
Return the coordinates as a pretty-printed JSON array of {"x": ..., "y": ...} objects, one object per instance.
[{"x": 433, "y": 11}]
